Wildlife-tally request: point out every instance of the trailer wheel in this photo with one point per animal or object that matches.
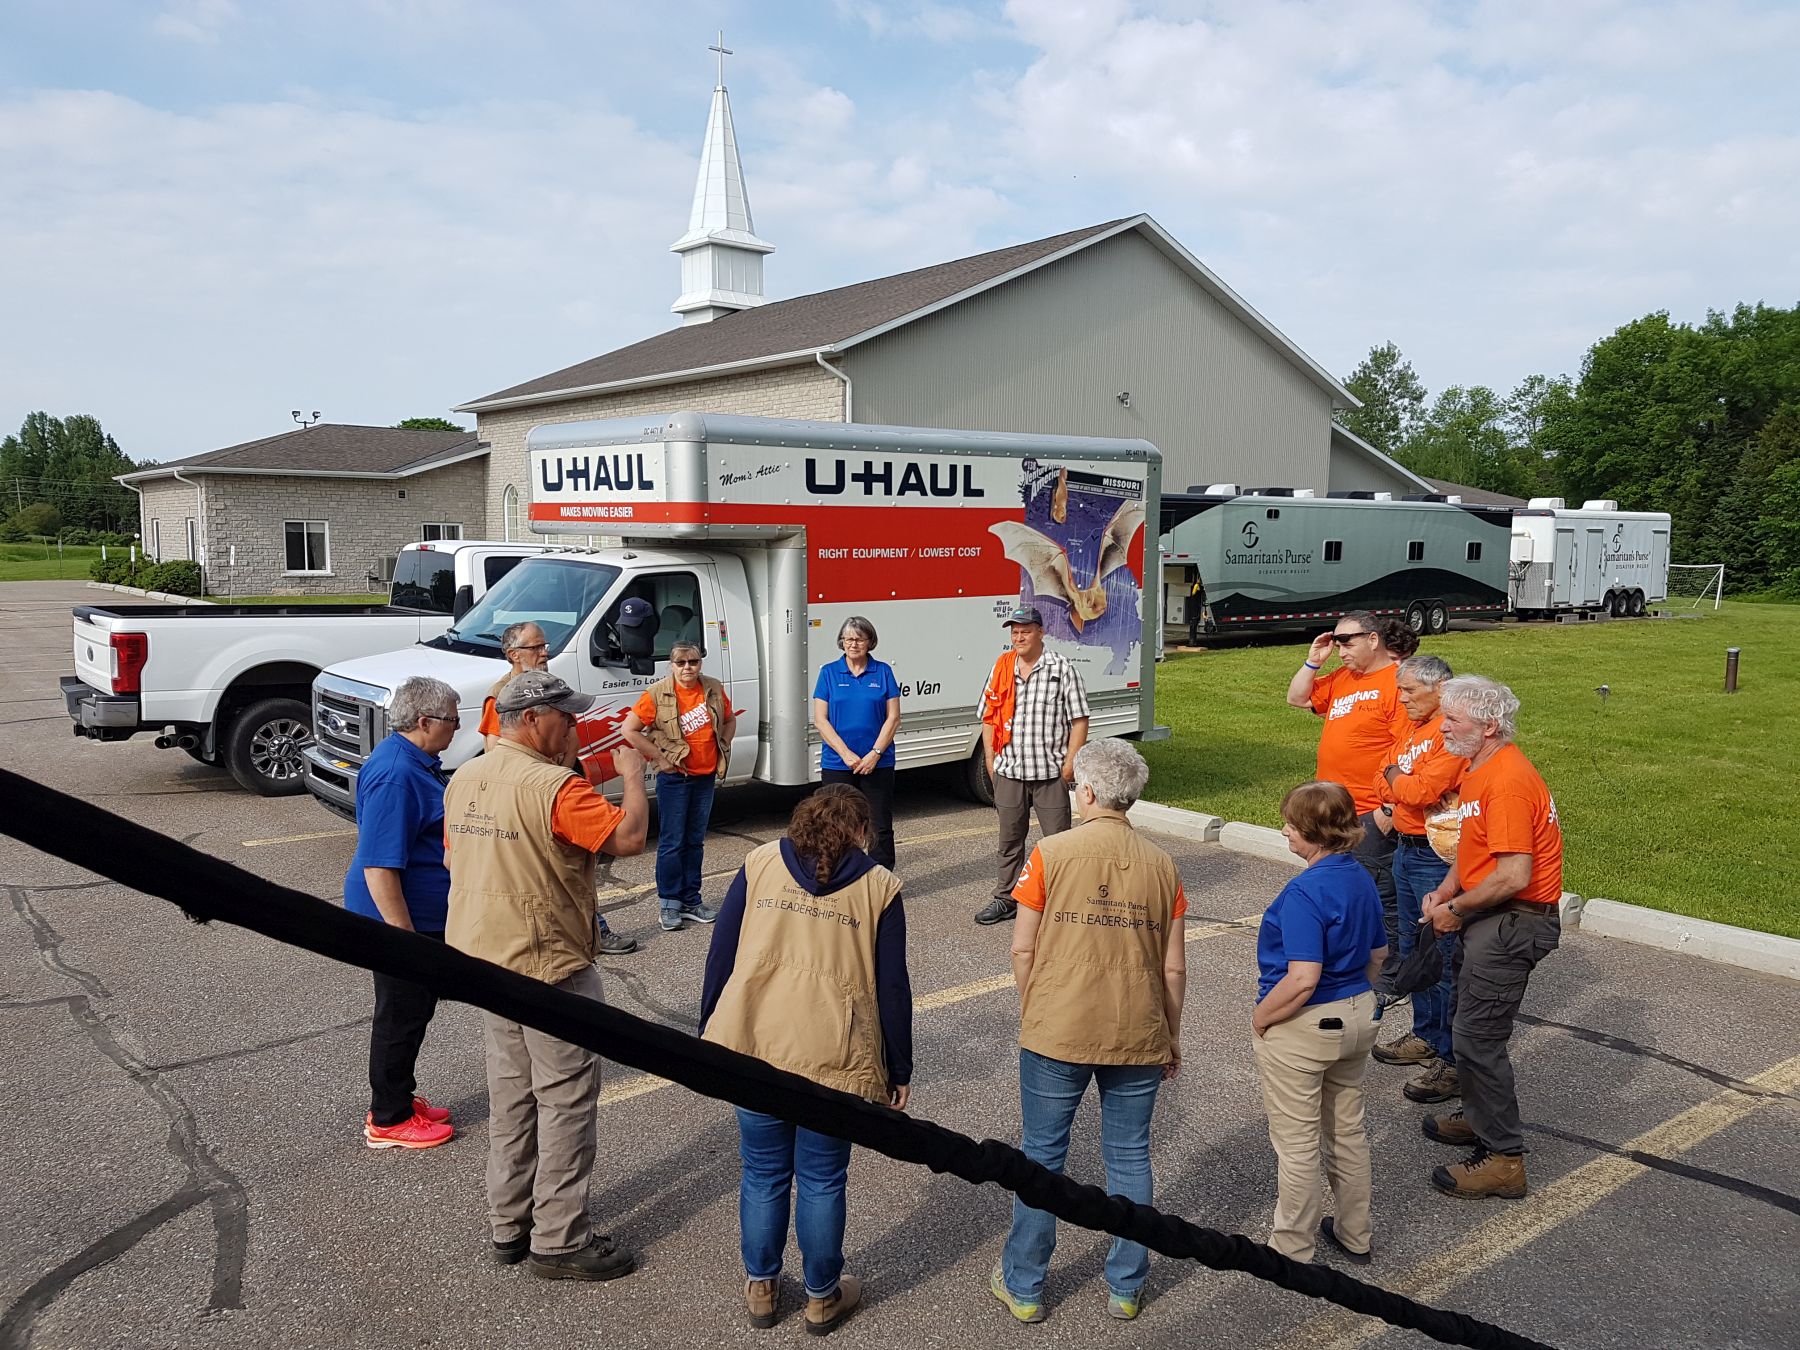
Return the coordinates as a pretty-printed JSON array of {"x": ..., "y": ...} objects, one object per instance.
[
  {"x": 263, "y": 747},
  {"x": 1619, "y": 604},
  {"x": 1637, "y": 604},
  {"x": 1416, "y": 617},
  {"x": 978, "y": 784},
  {"x": 1437, "y": 617}
]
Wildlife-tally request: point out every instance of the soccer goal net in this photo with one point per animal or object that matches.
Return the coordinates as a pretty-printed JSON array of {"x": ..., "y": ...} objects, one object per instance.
[{"x": 1694, "y": 584}]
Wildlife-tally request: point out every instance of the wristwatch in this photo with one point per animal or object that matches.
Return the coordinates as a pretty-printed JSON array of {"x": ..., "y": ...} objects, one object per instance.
[
  {"x": 1453, "y": 914},
  {"x": 1387, "y": 810}
]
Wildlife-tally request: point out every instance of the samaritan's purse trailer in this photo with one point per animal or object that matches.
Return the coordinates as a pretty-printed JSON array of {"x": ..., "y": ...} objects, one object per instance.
[
  {"x": 1281, "y": 557},
  {"x": 1597, "y": 558},
  {"x": 757, "y": 538}
]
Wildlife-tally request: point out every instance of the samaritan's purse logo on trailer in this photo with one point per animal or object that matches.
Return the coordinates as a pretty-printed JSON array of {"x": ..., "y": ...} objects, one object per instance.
[{"x": 1251, "y": 538}]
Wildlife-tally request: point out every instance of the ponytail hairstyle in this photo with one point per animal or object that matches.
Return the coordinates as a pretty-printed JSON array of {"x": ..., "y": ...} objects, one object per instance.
[{"x": 827, "y": 825}]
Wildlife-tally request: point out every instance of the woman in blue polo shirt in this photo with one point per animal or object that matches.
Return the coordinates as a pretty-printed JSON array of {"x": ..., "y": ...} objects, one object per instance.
[
  {"x": 1320, "y": 947},
  {"x": 856, "y": 707}
]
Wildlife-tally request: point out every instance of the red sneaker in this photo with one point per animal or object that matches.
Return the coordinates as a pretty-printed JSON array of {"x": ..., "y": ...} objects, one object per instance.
[
  {"x": 424, "y": 1110},
  {"x": 413, "y": 1132}
]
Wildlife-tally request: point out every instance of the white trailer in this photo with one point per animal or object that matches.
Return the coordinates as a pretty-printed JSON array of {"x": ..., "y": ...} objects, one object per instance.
[
  {"x": 1597, "y": 559},
  {"x": 758, "y": 537}
]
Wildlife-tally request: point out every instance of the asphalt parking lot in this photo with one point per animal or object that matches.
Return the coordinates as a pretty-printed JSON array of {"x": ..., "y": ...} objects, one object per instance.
[{"x": 184, "y": 1162}]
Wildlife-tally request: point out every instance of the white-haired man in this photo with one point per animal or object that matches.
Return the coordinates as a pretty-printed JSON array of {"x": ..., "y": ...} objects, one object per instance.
[{"x": 1502, "y": 897}]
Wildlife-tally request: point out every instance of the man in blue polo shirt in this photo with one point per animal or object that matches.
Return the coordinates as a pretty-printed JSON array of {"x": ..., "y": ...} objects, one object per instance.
[
  {"x": 398, "y": 876},
  {"x": 856, "y": 707}
]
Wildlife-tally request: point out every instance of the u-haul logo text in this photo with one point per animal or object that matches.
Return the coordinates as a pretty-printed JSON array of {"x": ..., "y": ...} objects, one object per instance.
[
  {"x": 624, "y": 471},
  {"x": 890, "y": 478}
]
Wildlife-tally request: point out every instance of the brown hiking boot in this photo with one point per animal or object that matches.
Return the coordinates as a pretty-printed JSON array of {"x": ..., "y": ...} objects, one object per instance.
[
  {"x": 1452, "y": 1129},
  {"x": 1482, "y": 1174},
  {"x": 1439, "y": 1083},
  {"x": 760, "y": 1297},
  {"x": 826, "y": 1315},
  {"x": 1408, "y": 1049}
]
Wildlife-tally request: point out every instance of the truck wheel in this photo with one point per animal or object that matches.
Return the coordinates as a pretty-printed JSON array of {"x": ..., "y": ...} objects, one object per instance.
[
  {"x": 1637, "y": 604},
  {"x": 978, "y": 786},
  {"x": 263, "y": 747},
  {"x": 1416, "y": 617},
  {"x": 1437, "y": 617}
]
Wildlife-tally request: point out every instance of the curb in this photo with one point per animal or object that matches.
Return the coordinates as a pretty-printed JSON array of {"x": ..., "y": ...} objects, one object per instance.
[
  {"x": 1259, "y": 841},
  {"x": 1765, "y": 952},
  {"x": 165, "y": 596},
  {"x": 1160, "y": 819}
]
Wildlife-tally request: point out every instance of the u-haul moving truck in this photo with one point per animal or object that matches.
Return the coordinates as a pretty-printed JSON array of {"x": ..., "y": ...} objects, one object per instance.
[
  {"x": 757, "y": 538},
  {"x": 1597, "y": 558}
]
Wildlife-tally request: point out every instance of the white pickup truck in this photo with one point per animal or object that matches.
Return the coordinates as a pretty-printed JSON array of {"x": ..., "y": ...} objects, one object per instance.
[{"x": 232, "y": 684}]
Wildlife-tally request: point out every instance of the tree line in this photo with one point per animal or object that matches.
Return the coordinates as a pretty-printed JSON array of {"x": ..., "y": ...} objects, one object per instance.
[
  {"x": 1699, "y": 420},
  {"x": 56, "y": 475}
]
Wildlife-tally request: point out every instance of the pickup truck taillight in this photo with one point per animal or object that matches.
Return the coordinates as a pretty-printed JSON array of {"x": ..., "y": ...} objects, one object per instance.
[{"x": 130, "y": 651}]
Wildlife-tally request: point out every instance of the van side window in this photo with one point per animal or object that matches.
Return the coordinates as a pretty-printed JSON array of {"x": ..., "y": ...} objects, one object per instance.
[
  {"x": 1474, "y": 550},
  {"x": 494, "y": 568},
  {"x": 674, "y": 597},
  {"x": 1415, "y": 550},
  {"x": 1334, "y": 550}
]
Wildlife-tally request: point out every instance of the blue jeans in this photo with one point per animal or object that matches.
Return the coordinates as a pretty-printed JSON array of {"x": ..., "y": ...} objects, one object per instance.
[
  {"x": 683, "y": 806},
  {"x": 1417, "y": 872},
  {"x": 777, "y": 1154},
  {"x": 1050, "y": 1092}
]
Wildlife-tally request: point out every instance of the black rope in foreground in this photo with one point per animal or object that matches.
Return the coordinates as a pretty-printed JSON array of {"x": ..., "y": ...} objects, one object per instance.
[{"x": 208, "y": 888}]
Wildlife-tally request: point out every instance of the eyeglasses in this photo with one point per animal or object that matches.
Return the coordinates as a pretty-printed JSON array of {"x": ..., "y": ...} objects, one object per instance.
[
  {"x": 1342, "y": 638},
  {"x": 860, "y": 641},
  {"x": 529, "y": 647},
  {"x": 433, "y": 717},
  {"x": 684, "y": 663}
]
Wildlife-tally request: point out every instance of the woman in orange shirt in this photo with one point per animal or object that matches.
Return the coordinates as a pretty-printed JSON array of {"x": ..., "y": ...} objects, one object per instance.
[{"x": 1360, "y": 702}]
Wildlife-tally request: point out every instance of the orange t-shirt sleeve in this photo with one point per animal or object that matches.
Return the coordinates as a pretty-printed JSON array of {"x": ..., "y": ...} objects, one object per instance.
[
  {"x": 581, "y": 816},
  {"x": 645, "y": 709},
  {"x": 1429, "y": 780},
  {"x": 490, "y": 719},
  {"x": 1029, "y": 889},
  {"x": 1180, "y": 900},
  {"x": 1507, "y": 816}
]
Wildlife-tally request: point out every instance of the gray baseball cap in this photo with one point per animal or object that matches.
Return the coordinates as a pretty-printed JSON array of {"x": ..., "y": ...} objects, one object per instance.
[
  {"x": 540, "y": 689},
  {"x": 1024, "y": 614}
]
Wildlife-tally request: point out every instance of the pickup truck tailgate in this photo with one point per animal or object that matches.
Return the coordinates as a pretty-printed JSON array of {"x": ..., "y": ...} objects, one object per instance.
[{"x": 95, "y": 660}]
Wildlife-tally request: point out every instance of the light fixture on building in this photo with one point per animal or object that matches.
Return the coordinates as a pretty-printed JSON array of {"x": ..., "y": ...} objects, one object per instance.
[
  {"x": 1124, "y": 397},
  {"x": 304, "y": 422}
]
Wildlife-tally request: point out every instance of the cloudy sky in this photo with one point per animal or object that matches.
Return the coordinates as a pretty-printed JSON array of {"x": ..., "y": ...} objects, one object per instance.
[{"x": 215, "y": 211}]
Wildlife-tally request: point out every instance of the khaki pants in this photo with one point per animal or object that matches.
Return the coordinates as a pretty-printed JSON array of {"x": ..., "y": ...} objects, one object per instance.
[
  {"x": 541, "y": 1096},
  {"x": 1014, "y": 800},
  {"x": 1312, "y": 1091}
]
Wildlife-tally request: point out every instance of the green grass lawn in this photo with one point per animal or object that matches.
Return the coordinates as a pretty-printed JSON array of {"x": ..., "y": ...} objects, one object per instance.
[
  {"x": 1672, "y": 794},
  {"x": 39, "y": 562}
]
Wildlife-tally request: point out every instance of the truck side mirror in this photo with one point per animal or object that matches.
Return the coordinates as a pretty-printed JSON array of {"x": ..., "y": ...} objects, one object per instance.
[{"x": 464, "y": 602}]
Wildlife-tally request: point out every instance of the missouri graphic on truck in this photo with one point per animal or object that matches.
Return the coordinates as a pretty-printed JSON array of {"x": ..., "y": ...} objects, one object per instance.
[{"x": 757, "y": 537}]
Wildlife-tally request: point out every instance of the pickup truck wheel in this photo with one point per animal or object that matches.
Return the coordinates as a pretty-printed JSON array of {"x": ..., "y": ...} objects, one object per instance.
[
  {"x": 262, "y": 750},
  {"x": 978, "y": 785}
]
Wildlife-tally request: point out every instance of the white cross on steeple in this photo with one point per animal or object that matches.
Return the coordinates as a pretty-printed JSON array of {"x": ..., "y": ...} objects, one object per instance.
[{"x": 723, "y": 52}]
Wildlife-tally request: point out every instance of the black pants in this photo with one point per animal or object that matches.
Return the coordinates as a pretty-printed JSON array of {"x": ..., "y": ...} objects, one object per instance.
[
  {"x": 877, "y": 788},
  {"x": 1376, "y": 853},
  {"x": 402, "y": 1012}
]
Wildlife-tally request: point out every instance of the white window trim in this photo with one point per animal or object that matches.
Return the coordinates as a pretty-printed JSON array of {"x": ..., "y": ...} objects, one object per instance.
[
  {"x": 511, "y": 521},
  {"x": 192, "y": 529},
  {"x": 425, "y": 525},
  {"x": 156, "y": 538},
  {"x": 308, "y": 572}
]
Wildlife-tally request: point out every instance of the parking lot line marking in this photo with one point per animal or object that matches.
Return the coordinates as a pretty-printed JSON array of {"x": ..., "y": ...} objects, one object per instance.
[
  {"x": 942, "y": 998},
  {"x": 1546, "y": 1209},
  {"x": 299, "y": 838},
  {"x": 947, "y": 834}
]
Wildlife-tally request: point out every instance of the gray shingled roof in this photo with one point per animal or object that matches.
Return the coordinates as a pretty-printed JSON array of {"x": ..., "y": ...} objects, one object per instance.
[
  {"x": 1473, "y": 496},
  {"x": 805, "y": 324},
  {"x": 333, "y": 448}
]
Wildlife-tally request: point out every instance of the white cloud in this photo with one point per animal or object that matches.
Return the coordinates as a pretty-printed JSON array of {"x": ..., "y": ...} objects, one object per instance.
[{"x": 198, "y": 21}]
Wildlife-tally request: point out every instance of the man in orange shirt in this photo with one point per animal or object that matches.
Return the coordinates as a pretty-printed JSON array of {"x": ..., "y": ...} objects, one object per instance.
[
  {"x": 1419, "y": 773},
  {"x": 1360, "y": 703},
  {"x": 683, "y": 724},
  {"x": 1502, "y": 897}
]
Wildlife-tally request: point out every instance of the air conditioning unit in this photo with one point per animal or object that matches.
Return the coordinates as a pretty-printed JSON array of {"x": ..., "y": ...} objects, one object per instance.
[
  {"x": 1544, "y": 504},
  {"x": 1600, "y": 504},
  {"x": 1222, "y": 490}
]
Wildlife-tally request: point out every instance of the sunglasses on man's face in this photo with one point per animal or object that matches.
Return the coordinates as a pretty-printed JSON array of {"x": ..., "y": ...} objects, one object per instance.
[
  {"x": 1342, "y": 638},
  {"x": 433, "y": 717},
  {"x": 684, "y": 663}
]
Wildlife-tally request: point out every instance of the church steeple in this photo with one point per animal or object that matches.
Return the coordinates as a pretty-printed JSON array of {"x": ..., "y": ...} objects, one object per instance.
[{"x": 721, "y": 255}]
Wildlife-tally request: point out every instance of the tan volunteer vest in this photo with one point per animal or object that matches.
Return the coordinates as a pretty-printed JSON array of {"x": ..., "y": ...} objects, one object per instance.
[
  {"x": 801, "y": 995},
  {"x": 665, "y": 731},
  {"x": 519, "y": 896},
  {"x": 1096, "y": 990}
]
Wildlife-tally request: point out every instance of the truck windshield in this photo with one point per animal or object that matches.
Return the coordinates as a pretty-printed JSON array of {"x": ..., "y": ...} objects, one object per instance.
[
  {"x": 425, "y": 579},
  {"x": 554, "y": 593}
]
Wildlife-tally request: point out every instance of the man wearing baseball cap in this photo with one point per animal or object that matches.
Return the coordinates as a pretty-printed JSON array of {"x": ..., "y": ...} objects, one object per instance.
[
  {"x": 1034, "y": 717},
  {"x": 521, "y": 828}
]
